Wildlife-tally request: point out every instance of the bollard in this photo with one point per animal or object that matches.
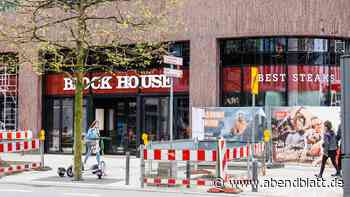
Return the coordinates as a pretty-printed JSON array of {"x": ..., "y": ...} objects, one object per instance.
[
  {"x": 264, "y": 159},
  {"x": 42, "y": 140},
  {"x": 127, "y": 168},
  {"x": 142, "y": 167},
  {"x": 42, "y": 164},
  {"x": 218, "y": 156},
  {"x": 254, "y": 176},
  {"x": 188, "y": 172}
]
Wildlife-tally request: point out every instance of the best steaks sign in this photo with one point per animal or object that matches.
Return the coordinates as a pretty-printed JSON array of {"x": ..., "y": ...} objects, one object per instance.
[{"x": 120, "y": 82}]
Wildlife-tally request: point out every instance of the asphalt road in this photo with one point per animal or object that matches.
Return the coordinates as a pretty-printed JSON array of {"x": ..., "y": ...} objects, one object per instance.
[{"x": 12, "y": 190}]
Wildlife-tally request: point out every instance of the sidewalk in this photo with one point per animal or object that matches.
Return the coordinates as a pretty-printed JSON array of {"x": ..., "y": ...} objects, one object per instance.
[{"x": 115, "y": 179}]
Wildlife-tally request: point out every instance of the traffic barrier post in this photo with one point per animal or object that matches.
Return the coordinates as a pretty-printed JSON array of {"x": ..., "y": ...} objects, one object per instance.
[
  {"x": 142, "y": 166},
  {"x": 42, "y": 143},
  {"x": 127, "y": 170}
]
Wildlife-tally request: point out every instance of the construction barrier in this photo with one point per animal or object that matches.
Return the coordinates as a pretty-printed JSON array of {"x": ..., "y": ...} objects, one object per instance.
[
  {"x": 190, "y": 159},
  {"x": 19, "y": 168},
  {"x": 19, "y": 146},
  {"x": 173, "y": 181},
  {"x": 241, "y": 152},
  {"x": 15, "y": 135},
  {"x": 18, "y": 142}
]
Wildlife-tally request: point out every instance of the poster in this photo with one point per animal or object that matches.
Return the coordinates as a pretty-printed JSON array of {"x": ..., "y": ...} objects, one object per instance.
[
  {"x": 234, "y": 123},
  {"x": 298, "y": 132}
]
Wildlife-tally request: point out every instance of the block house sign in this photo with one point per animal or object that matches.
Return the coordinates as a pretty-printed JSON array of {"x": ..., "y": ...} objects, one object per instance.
[{"x": 153, "y": 81}]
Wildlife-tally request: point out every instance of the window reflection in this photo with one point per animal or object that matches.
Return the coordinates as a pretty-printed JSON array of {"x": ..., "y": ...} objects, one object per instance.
[{"x": 292, "y": 56}]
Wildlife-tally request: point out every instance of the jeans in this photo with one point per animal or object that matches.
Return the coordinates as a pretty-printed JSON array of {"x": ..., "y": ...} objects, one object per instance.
[
  {"x": 90, "y": 146},
  {"x": 331, "y": 154}
]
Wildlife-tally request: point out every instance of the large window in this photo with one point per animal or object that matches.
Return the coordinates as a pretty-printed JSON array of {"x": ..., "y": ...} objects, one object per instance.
[
  {"x": 155, "y": 120},
  {"x": 60, "y": 117},
  {"x": 292, "y": 70}
]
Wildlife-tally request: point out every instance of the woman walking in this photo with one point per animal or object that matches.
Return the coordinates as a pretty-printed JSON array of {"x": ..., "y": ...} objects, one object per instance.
[
  {"x": 329, "y": 148},
  {"x": 91, "y": 140}
]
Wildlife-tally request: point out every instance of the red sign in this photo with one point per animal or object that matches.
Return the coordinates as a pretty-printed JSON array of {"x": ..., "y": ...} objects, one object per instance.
[
  {"x": 277, "y": 78},
  {"x": 152, "y": 81}
]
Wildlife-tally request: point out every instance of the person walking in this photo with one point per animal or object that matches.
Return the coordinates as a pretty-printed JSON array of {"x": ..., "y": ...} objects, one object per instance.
[
  {"x": 329, "y": 148},
  {"x": 92, "y": 141},
  {"x": 339, "y": 153}
]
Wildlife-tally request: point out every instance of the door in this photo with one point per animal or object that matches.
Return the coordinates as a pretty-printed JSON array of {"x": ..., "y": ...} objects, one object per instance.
[
  {"x": 155, "y": 118},
  {"x": 119, "y": 123}
]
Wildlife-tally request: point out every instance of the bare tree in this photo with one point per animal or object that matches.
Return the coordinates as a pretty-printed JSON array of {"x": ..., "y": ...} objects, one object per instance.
[{"x": 68, "y": 32}]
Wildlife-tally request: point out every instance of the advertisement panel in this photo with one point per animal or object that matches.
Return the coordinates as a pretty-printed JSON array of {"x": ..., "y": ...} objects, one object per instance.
[
  {"x": 234, "y": 123},
  {"x": 298, "y": 131}
]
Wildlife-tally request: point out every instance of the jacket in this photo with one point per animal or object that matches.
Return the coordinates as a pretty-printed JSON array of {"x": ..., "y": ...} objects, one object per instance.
[
  {"x": 92, "y": 134},
  {"x": 330, "y": 141}
]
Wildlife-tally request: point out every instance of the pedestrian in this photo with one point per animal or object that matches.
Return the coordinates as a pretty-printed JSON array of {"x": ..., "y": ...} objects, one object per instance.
[
  {"x": 92, "y": 141},
  {"x": 329, "y": 148},
  {"x": 339, "y": 153}
]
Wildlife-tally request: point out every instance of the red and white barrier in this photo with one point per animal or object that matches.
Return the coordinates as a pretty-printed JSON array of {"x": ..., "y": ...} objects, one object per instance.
[
  {"x": 241, "y": 152},
  {"x": 223, "y": 154},
  {"x": 173, "y": 181},
  {"x": 12, "y": 147},
  {"x": 16, "y": 135},
  {"x": 18, "y": 168},
  {"x": 180, "y": 155}
]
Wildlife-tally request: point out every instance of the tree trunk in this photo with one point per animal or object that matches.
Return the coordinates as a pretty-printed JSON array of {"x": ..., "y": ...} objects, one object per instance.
[
  {"x": 79, "y": 91},
  {"x": 78, "y": 116}
]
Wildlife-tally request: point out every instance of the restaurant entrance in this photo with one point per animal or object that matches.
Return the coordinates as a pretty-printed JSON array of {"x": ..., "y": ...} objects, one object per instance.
[{"x": 117, "y": 117}]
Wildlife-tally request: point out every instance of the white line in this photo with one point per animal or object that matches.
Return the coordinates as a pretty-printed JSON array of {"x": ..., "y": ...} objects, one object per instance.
[
  {"x": 15, "y": 190},
  {"x": 80, "y": 194}
]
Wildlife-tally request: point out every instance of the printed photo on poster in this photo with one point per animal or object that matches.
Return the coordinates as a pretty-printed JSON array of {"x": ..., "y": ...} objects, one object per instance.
[
  {"x": 298, "y": 132},
  {"x": 234, "y": 123}
]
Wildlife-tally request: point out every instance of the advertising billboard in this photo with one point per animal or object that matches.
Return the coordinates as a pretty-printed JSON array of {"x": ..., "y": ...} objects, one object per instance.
[
  {"x": 298, "y": 132},
  {"x": 234, "y": 123}
]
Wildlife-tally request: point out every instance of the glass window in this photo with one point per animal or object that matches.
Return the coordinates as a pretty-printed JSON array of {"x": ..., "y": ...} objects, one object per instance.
[
  {"x": 67, "y": 125},
  {"x": 308, "y": 85},
  {"x": 335, "y": 87},
  {"x": 150, "y": 119},
  {"x": 292, "y": 44},
  {"x": 54, "y": 133},
  {"x": 232, "y": 79},
  {"x": 232, "y": 46},
  {"x": 100, "y": 117},
  {"x": 272, "y": 85},
  {"x": 280, "y": 45},
  {"x": 249, "y": 45},
  {"x": 182, "y": 119},
  {"x": 305, "y": 44},
  {"x": 303, "y": 63},
  {"x": 320, "y": 45}
]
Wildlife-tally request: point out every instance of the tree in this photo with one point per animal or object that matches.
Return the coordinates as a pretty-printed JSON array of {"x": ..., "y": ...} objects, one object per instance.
[{"x": 128, "y": 33}]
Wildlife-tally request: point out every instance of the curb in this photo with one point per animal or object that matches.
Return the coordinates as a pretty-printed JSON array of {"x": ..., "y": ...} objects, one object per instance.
[{"x": 129, "y": 188}]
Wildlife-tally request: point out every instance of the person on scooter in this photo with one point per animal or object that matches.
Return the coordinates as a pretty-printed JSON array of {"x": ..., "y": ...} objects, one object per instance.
[{"x": 92, "y": 140}]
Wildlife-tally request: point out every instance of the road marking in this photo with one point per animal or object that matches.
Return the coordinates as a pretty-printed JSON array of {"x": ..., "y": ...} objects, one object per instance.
[
  {"x": 15, "y": 190},
  {"x": 80, "y": 194}
]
